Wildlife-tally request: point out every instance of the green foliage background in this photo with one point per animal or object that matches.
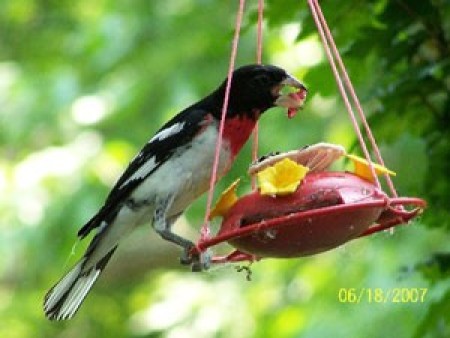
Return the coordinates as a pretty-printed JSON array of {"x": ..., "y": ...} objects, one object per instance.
[{"x": 83, "y": 84}]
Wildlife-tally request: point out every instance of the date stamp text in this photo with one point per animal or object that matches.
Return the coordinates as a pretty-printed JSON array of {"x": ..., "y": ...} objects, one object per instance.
[{"x": 401, "y": 295}]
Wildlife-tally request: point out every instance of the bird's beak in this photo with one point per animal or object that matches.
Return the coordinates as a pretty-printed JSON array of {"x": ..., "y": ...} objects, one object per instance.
[
  {"x": 293, "y": 82},
  {"x": 294, "y": 100}
]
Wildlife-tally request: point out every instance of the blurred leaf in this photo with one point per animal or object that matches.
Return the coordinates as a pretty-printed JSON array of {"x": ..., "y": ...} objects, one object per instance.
[
  {"x": 436, "y": 322},
  {"x": 436, "y": 268}
]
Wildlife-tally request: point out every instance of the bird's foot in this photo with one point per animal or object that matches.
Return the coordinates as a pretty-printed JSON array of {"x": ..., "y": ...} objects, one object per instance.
[
  {"x": 199, "y": 261},
  {"x": 202, "y": 261}
]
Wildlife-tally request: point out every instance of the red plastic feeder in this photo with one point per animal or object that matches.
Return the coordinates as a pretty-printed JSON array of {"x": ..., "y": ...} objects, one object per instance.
[
  {"x": 327, "y": 210},
  {"x": 303, "y": 236}
]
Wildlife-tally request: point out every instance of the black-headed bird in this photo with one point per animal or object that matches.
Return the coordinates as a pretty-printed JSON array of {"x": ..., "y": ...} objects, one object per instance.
[{"x": 169, "y": 173}]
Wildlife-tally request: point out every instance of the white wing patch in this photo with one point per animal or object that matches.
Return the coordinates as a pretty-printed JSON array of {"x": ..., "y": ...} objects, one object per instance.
[
  {"x": 150, "y": 164},
  {"x": 143, "y": 171},
  {"x": 165, "y": 133}
]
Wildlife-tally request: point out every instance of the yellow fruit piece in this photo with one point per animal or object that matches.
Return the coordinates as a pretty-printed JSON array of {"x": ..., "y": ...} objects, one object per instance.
[
  {"x": 226, "y": 200},
  {"x": 362, "y": 168},
  {"x": 282, "y": 178}
]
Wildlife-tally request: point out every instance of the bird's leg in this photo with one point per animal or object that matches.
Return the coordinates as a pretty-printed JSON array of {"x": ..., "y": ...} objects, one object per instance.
[{"x": 163, "y": 226}]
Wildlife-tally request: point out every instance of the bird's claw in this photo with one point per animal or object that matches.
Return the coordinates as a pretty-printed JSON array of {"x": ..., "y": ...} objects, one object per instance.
[
  {"x": 186, "y": 258},
  {"x": 203, "y": 262},
  {"x": 198, "y": 261}
]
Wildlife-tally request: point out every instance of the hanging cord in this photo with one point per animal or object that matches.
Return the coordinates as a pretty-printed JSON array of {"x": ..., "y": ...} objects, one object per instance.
[
  {"x": 313, "y": 5},
  {"x": 259, "y": 44},
  {"x": 204, "y": 232},
  {"x": 355, "y": 99},
  {"x": 259, "y": 37}
]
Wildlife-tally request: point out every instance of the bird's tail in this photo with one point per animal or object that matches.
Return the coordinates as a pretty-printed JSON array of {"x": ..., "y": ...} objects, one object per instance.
[{"x": 66, "y": 296}]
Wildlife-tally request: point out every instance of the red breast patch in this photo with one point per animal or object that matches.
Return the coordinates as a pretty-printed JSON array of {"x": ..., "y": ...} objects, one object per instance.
[{"x": 236, "y": 132}]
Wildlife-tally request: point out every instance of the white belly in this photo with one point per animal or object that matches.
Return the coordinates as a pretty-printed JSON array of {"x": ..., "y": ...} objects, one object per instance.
[{"x": 186, "y": 176}]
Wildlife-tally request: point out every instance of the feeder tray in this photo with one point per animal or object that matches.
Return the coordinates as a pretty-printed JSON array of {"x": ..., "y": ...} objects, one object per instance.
[
  {"x": 327, "y": 210},
  {"x": 298, "y": 236}
]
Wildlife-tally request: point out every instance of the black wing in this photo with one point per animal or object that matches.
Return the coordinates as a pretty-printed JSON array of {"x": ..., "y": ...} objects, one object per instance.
[{"x": 158, "y": 150}]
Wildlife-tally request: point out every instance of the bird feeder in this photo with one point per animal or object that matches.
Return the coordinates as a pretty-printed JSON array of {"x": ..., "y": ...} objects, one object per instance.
[
  {"x": 311, "y": 211},
  {"x": 306, "y": 215}
]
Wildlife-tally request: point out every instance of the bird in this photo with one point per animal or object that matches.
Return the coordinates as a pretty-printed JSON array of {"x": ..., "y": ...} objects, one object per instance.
[{"x": 170, "y": 172}]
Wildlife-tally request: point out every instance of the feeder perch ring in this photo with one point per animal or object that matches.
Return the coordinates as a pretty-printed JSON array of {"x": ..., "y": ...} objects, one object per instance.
[{"x": 328, "y": 210}]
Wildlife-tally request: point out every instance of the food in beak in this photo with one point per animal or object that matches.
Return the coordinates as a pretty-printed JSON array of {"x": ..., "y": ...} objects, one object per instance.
[
  {"x": 298, "y": 97},
  {"x": 292, "y": 101}
]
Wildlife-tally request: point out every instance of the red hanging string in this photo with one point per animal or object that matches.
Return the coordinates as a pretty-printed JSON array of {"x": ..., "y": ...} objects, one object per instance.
[
  {"x": 259, "y": 36},
  {"x": 354, "y": 97},
  {"x": 204, "y": 232},
  {"x": 313, "y": 4},
  {"x": 259, "y": 43}
]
